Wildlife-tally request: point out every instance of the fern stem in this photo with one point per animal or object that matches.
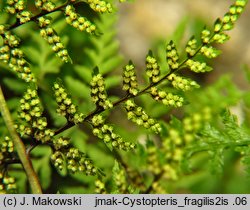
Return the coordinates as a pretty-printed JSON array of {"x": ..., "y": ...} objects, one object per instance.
[{"x": 24, "y": 158}]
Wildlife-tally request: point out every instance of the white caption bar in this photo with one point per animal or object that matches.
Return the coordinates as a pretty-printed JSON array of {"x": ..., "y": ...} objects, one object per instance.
[{"x": 124, "y": 202}]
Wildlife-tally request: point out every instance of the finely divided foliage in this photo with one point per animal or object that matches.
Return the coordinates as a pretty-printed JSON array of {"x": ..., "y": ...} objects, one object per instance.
[{"x": 32, "y": 123}]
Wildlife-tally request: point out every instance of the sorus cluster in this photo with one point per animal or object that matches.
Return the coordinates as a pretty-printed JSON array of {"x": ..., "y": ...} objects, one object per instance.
[
  {"x": 100, "y": 6},
  {"x": 77, "y": 161},
  {"x": 153, "y": 164},
  {"x": 78, "y": 22},
  {"x": 53, "y": 39},
  {"x": 176, "y": 139},
  {"x": 170, "y": 171},
  {"x": 173, "y": 146},
  {"x": 17, "y": 7},
  {"x": 130, "y": 83},
  {"x": 58, "y": 160},
  {"x": 72, "y": 158},
  {"x": 6, "y": 149},
  {"x": 191, "y": 47},
  {"x": 98, "y": 93},
  {"x": 45, "y": 5},
  {"x": 137, "y": 115},
  {"x": 157, "y": 188},
  {"x": 168, "y": 99},
  {"x": 24, "y": 16},
  {"x": 181, "y": 83},
  {"x": 192, "y": 124},
  {"x": 100, "y": 186},
  {"x": 197, "y": 66},
  {"x": 106, "y": 133},
  {"x": 205, "y": 36},
  {"x": 209, "y": 51},
  {"x": 173, "y": 150},
  {"x": 137, "y": 179},
  {"x": 11, "y": 54},
  {"x": 11, "y": 40},
  {"x": 220, "y": 38},
  {"x": 2, "y": 29},
  {"x": 7, "y": 184},
  {"x": 32, "y": 114},
  {"x": 61, "y": 143},
  {"x": 66, "y": 107},
  {"x": 172, "y": 56},
  {"x": 230, "y": 17},
  {"x": 152, "y": 68}
]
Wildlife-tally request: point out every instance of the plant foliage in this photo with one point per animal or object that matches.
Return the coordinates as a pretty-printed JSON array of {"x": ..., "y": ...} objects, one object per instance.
[{"x": 62, "y": 103}]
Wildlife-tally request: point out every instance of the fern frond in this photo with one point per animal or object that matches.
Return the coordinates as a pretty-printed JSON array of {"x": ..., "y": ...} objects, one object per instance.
[
  {"x": 11, "y": 54},
  {"x": 33, "y": 123},
  {"x": 50, "y": 35},
  {"x": 181, "y": 138},
  {"x": 215, "y": 140}
]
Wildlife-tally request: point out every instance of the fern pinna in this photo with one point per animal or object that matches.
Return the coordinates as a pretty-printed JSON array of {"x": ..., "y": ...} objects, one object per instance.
[{"x": 82, "y": 96}]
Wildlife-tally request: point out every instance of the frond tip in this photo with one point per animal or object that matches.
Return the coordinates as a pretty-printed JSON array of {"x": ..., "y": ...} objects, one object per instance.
[
  {"x": 11, "y": 54},
  {"x": 98, "y": 92},
  {"x": 172, "y": 56},
  {"x": 191, "y": 47},
  {"x": 152, "y": 68},
  {"x": 34, "y": 124},
  {"x": 130, "y": 83}
]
